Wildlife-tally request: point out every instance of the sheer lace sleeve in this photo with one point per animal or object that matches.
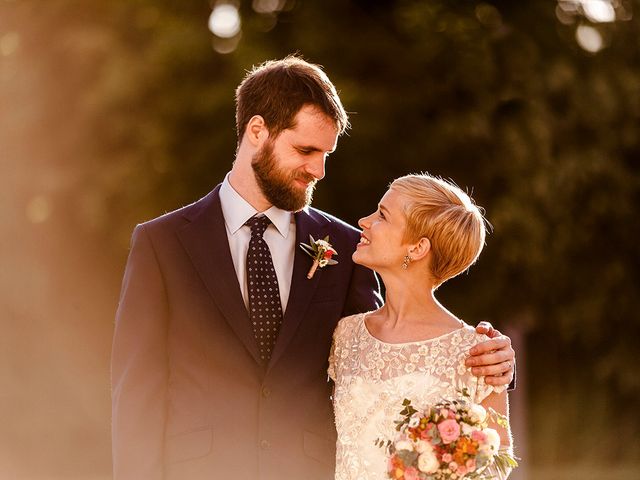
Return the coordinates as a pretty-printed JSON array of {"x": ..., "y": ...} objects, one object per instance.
[
  {"x": 331, "y": 371},
  {"x": 482, "y": 389},
  {"x": 337, "y": 346}
]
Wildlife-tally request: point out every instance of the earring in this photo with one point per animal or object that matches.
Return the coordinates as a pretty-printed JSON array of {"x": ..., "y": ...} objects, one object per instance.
[{"x": 407, "y": 261}]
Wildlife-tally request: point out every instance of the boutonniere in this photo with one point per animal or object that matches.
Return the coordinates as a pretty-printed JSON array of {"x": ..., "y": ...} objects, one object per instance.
[{"x": 321, "y": 251}]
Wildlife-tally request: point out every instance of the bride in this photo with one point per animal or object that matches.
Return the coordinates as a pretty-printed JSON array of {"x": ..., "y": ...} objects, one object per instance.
[{"x": 424, "y": 232}]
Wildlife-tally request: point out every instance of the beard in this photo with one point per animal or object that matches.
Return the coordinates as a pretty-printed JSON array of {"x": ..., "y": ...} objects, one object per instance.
[{"x": 277, "y": 185}]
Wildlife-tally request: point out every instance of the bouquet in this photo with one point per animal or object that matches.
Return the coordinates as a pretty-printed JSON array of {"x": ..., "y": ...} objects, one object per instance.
[{"x": 448, "y": 441}]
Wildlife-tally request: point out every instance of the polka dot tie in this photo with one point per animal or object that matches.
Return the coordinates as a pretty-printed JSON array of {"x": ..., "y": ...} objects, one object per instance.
[{"x": 265, "y": 309}]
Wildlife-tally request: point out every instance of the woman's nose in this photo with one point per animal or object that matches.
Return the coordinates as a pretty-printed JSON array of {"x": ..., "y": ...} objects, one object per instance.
[{"x": 364, "y": 222}]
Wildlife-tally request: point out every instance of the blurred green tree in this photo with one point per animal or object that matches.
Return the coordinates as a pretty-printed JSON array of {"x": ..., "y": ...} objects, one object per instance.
[{"x": 496, "y": 95}]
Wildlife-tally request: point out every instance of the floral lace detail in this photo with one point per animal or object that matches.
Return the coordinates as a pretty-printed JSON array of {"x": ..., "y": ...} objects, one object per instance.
[{"x": 373, "y": 377}]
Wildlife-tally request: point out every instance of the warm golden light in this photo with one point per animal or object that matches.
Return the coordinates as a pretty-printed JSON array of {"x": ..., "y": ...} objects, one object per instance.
[
  {"x": 224, "y": 21},
  {"x": 599, "y": 11},
  {"x": 9, "y": 43},
  {"x": 589, "y": 38},
  {"x": 39, "y": 209},
  {"x": 268, "y": 6}
]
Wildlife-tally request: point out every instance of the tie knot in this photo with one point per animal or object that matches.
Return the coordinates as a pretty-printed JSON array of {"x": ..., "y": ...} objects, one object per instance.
[{"x": 258, "y": 225}]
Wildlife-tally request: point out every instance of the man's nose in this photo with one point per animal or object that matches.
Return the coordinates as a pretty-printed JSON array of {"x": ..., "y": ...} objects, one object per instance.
[{"x": 316, "y": 167}]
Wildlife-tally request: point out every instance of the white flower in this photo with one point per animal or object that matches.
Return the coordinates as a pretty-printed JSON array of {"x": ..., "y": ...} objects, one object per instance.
[
  {"x": 422, "y": 350},
  {"x": 324, "y": 244},
  {"x": 404, "y": 445},
  {"x": 467, "y": 429},
  {"x": 414, "y": 421},
  {"x": 493, "y": 439},
  {"x": 423, "y": 446},
  {"x": 477, "y": 413},
  {"x": 427, "y": 462}
]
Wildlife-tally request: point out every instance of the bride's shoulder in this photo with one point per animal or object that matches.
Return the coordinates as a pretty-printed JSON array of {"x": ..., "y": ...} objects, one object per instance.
[
  {"x": 347, "y": 325},
  {"x": 472, "y": 337},
  {"x": 351, "y": 320}
]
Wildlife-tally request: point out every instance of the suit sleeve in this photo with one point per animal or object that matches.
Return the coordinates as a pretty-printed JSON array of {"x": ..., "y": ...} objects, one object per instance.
[
  {"x": 139, "y": 366},
  {"x": 364, "y": 292}
]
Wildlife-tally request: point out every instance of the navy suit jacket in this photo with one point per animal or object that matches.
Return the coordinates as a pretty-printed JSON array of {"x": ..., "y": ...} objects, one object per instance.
[{"x": 190, "y": 398}]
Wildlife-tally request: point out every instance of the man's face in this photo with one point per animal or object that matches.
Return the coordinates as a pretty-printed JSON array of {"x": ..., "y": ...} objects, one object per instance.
[{"x": 288, "y": 167}]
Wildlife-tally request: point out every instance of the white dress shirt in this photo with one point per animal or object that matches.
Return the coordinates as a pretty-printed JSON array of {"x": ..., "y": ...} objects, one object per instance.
[{"x": 280, "y": 237}]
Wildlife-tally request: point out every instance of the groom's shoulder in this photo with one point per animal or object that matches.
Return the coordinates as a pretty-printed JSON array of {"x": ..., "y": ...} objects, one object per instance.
[
  {"x": 180, "y": 216},
  {"x": 334, "y": 222}
]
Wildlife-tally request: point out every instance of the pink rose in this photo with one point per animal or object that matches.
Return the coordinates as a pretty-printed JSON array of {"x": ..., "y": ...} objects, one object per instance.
[
  {"x": 411, "y": 473},
  {"x": 479, "y": 436},
  {"x": 447, "y": 457},
  {"x": 462, "y": 471},
  {"x": 449, "y": 431},
  {"x": 471, "y": 464},
  {"x": 453, "y": 466}
]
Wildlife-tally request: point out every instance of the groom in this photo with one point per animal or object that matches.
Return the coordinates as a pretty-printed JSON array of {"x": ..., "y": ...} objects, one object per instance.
[{"x": 221, "y": 341}]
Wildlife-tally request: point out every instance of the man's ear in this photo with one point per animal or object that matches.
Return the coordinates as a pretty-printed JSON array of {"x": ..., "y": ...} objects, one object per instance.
[
  {"x": 421, "y": 249},
  {"x": 256, "y": 132}
]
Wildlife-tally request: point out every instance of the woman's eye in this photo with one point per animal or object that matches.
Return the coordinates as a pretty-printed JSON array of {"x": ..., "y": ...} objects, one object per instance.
[{"x": 381, "y": 214}]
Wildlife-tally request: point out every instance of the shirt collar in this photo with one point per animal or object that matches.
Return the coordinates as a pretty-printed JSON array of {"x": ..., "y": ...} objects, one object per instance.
[{"x": 236, "y": 211}]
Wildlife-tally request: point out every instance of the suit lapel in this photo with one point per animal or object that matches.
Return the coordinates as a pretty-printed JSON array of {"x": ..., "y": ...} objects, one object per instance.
[
  {"x": 205, "y": 240},
  {"x": 302, "y": 288}
]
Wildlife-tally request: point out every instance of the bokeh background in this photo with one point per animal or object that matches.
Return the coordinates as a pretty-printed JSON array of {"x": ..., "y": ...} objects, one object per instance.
[{"x": 115, "y": 111}]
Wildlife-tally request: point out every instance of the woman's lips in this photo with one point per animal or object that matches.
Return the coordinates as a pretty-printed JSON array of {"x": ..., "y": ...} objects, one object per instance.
[{"x": 364, "y": 241}]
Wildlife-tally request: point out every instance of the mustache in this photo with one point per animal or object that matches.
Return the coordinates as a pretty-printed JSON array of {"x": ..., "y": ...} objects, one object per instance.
[{"x": 305, "y": 177}]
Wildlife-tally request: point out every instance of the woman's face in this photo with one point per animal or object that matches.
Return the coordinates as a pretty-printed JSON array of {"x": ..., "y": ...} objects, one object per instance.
[{"x": 381, "y": 244}]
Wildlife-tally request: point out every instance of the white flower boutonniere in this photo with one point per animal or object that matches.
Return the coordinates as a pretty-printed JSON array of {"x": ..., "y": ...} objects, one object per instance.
[{"x": 321, "y": 251}]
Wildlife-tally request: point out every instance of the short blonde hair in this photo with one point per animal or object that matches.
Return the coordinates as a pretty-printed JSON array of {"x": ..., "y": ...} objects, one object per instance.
[{"x": 448, "y": 217}]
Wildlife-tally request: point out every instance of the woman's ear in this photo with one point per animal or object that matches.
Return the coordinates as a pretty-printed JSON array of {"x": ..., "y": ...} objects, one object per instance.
[
  {"x": 256, "y": 131},
  {"x": 421, "y": 249}
]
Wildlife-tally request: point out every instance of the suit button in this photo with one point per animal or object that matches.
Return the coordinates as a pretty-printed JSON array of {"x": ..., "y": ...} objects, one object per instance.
[
  {"x": 266, "y": 392},
  {"x": 264, "y": 444}
]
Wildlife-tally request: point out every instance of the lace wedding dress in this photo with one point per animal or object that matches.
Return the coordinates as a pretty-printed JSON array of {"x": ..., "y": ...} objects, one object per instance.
[{"x": 372, "y": 378}]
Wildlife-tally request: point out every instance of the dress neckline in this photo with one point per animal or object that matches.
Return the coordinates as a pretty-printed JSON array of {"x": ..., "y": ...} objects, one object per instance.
[{"x": 363, "y": 323}]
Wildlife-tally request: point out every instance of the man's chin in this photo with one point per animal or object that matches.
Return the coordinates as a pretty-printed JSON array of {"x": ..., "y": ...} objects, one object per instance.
[{"x": 292, "y": 206}]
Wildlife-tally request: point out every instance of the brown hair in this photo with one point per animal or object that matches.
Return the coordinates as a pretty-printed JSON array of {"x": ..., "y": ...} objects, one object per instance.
[
  {"x": 448, "y": 217},
  {"x": 278, "y": 89}
]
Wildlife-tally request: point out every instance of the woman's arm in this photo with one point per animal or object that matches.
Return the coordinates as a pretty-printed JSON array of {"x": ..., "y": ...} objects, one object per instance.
[{"x": 500, "y": 403}]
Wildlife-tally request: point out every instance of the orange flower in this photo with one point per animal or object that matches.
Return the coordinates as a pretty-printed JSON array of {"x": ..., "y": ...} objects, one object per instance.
[{"x": 467, "y": 445}]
